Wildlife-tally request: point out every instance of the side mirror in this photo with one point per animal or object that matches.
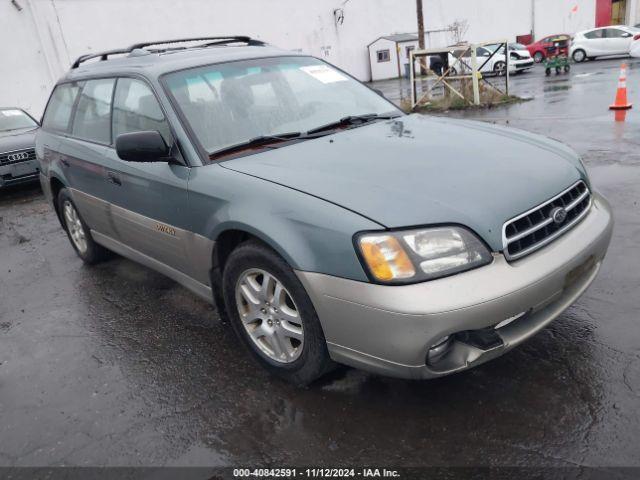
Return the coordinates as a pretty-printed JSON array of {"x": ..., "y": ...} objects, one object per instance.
[{"x": 142, "y": 147}]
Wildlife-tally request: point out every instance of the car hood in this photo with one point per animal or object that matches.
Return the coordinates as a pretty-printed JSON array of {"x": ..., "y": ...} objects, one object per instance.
[
  {"x": 17, "y": 139},
  {"x": 421, "y": 170}
]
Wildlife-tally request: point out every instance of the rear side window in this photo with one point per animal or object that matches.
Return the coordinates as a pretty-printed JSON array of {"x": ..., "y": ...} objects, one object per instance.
[
  {"x": 136, "y": 109},
  {"x": 92, "y": 120},
  {"x": 594, "y": 34},
  {"x": 58, "y": 115}
]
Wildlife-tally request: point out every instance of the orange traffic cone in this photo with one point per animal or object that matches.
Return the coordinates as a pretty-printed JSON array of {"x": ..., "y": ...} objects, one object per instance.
[{"x": 621, "y": 102}]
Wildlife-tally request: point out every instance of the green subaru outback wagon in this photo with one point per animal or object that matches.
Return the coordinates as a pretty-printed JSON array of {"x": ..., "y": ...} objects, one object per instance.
[{"x": 327, "y": 225}]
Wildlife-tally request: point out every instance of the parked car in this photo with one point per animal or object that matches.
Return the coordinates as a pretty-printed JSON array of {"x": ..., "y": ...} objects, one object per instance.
[
  {"x": 520, "y": 57},
  {"x": 601, "y": 42},
  {"x": 519, "y": 60},
  {"x": 634, "y": 50},
  {"x": 540, "y": 49},
  {"x": 327, "y": 225},
  {"x": 18, "y": 162}
]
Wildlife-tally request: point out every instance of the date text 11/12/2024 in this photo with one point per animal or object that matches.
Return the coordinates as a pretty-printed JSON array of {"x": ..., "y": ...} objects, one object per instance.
[{"x": 315, "y": 473}]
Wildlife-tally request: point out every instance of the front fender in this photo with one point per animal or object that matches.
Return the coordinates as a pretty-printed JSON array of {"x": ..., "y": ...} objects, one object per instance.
[{"x": 311, "y": 234}]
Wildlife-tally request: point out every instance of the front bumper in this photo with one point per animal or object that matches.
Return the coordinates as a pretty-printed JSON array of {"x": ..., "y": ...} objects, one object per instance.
[
  {"x": 389, "y": 329},
  {"x": 18, "y": 173},
  {"x": 522, "y": 64}
]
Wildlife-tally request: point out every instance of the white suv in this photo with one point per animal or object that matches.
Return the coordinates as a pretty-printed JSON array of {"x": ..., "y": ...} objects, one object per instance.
[{"x": 604, "y": 41}]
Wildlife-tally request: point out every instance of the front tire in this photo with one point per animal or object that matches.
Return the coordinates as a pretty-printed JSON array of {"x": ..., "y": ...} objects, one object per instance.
[
  {"x": 78, "y": 232},
  {"x": 538, "y": 57},
  {"x": 579, "y": 56},
  {"x": 273, "y": 316}
]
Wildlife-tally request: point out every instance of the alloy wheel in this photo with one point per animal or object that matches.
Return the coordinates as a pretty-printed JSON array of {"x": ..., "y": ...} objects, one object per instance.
[
  {"x": 269, "y": 315},
  {"x": 74, "y": 225}
]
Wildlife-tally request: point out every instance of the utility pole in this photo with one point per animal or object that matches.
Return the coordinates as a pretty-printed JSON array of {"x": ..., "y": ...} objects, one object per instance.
[
  {"x": 533, "y": 21},
  {"x": 423, "y": 67}
]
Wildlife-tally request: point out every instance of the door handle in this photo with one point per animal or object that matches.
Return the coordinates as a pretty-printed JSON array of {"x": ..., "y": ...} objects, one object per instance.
[{"x": 114, "y": 178}]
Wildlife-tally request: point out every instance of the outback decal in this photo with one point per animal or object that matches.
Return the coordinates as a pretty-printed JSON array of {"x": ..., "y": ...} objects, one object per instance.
[{"x": 166, "y": 229}]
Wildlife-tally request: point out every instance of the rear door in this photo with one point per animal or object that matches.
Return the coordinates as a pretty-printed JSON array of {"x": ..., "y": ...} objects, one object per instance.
[
  {"x": 82, "y": 153},
  {"x": 55, "y": 122},
  {"x": 595, "y": 43},
  {"x": 149, "y": 204}
]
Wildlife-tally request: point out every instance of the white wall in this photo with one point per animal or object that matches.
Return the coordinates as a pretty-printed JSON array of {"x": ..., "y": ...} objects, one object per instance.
[
  {"x": 25, "y": 74},
  {"x": 564, "y": 20},
  {"x": 38, "y": 43},
  {"x": 69, "y": 28},
  {"x": 498, "y": 19}
]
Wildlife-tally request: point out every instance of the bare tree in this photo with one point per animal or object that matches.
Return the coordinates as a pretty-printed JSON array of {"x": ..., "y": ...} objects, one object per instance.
[
  {"x": 423, "y": 66},
  {"x": 459, "y": 29}
]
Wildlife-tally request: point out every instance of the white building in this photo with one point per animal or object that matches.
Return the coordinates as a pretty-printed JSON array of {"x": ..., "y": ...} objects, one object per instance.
[
  {"x": 40, "y": 38},
  {"x": 389, "y": 55}
]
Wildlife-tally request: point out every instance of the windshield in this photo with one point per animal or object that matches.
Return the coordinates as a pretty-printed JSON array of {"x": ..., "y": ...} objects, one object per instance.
[
  {"x": 227, "y": 104},
  {"x": 14, "y": 119},
  {"x": 517, "y": 46}
]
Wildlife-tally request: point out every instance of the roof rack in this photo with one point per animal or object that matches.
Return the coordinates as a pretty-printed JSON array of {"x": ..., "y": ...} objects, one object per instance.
[
  {"x": 101, "y": 55},
  {"x": 225, "y": 40}
]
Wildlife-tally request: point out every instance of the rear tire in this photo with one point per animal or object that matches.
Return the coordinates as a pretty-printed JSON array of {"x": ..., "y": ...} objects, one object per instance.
[
  {"x": 281, "y": 330},
  {"x": 500, "y": 68},
  {"x": 78, "y": 232},
  {"x": 538, "y": 57},
  {"x": 579, "y": 56}
]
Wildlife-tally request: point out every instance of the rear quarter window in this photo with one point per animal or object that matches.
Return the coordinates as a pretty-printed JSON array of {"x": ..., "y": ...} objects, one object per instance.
[
  {"x": 594, "y": 34},
  {"x": 57, "y": 117}
]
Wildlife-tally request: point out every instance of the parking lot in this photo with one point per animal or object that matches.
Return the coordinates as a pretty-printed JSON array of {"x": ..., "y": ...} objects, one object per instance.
[{"x": 118, "y": 365}]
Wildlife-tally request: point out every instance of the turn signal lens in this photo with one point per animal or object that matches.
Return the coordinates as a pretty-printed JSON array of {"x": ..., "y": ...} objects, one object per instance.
[{"x": 385, "y": 258}]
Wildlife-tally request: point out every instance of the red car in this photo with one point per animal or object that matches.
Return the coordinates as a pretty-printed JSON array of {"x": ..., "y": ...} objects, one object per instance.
[{"x": 541, "y": 48}]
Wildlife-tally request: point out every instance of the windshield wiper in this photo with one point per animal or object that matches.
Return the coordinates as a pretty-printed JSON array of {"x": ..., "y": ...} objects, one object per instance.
[
  {"x": 351, "y": 120},
  {"x": 261, "y": 141}
]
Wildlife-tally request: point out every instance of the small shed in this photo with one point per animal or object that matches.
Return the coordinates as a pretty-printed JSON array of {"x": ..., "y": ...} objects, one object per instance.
[{"x": 389, "y": 55}]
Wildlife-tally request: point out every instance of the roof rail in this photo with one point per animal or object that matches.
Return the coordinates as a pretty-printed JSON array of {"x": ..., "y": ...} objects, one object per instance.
[
  {"x": 217, "y": 41},
  {"x": 101, "y": 55},
  {"x": 224, "y": 40}
]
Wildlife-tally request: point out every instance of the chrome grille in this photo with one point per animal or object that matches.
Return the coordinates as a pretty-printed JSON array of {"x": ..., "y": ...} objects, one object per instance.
[
  {"x": 537, "y": 227},
  {"x": 17, "y": 156}
]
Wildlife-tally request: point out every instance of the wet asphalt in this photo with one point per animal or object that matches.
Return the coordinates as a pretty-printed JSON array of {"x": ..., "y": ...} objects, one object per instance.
[{"x": 118, "y": 365}]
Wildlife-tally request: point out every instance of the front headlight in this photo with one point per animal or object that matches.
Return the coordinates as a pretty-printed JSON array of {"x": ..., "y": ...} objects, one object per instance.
[{"x": 423, "y": 254}]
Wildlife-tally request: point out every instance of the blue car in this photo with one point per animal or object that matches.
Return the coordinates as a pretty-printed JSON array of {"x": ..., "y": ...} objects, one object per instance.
[{"x": 324, "y": 223}]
